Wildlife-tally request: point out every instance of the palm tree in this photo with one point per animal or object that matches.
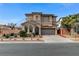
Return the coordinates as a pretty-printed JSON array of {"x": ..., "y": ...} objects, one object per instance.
[{"x": 69, "y": 21}]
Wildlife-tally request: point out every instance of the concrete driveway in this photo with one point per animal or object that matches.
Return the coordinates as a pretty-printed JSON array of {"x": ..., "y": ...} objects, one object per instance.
[{"x": 55, "y": 39}]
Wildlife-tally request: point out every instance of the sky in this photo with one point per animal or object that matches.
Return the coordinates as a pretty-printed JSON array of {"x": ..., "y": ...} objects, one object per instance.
[{"x": 14, "y": 12}]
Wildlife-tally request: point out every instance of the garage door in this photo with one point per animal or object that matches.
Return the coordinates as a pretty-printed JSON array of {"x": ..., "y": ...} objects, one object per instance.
[{"x": 48, "y": 31}]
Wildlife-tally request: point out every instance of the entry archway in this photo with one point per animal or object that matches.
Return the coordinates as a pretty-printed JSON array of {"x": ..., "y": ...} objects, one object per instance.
[{"x": 37, "y": 30}]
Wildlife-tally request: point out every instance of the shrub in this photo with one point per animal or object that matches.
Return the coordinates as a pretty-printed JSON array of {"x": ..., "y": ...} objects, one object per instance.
[
  {"x": 15, "y": 36},
  {"x": 3, "y": 35},
  {"x": 28, "y": 35},
  {"x": 12, "y": 34},
  {"x": 22, "y": 34},
  {"x": 7, "y": 36},
  {"x": 34, "y": 34}
]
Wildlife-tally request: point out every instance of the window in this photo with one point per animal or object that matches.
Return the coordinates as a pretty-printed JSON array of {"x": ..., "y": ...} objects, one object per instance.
[
  {"x": 36, "y": 17},
  {"x": 45, "y": 19}
]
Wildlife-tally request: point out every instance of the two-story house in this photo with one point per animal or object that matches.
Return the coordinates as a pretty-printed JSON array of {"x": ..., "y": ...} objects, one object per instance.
[{"x": 39, "y": 23}]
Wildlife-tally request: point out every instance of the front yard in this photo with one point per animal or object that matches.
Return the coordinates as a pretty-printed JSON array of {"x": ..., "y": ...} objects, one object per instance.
[
  {"x": 72, "y": 37},
  {"x": 44, "y": 39}
]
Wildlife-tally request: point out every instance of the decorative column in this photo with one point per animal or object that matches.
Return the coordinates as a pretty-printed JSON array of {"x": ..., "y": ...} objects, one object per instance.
[
  {"x": 61, "y": 31},
  {"x": 55, "y": 31},
  {"x": 33, "y": 31},
  {"x": 23, "y": 27},
  {"x": 28, "y": 30},
  {"x": 39, "y": 30}
]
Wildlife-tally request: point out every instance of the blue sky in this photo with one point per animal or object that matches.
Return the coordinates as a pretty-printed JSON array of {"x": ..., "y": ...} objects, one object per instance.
[{"x": 14, "y": 12}]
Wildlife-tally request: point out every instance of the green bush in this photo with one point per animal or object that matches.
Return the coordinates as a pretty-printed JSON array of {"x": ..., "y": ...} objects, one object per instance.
[
  {"x": 28, "y": 35},
  {"x": 7, "y": 36},
  {"x": 34, "y": 34},
  {"x": 15, "y": 36},
  {"x": 4, "y": 35},
  {"x": 22, "y": 34},
  {"x": 12, "y": 34}
]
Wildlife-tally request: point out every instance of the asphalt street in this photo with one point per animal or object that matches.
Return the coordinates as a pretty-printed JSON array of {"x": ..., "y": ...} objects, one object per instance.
[{"x": 39, "y": 49}]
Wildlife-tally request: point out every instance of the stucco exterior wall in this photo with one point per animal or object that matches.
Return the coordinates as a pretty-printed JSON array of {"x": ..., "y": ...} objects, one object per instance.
[{"x": 42, "y": 20}]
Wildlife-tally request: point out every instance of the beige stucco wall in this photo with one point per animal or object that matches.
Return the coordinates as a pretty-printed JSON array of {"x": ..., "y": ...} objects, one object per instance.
[{"x": 50, "y": 23}]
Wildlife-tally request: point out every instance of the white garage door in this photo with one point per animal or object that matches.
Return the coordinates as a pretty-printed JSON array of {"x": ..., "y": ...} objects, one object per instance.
[{"x": 48, "y": 31}]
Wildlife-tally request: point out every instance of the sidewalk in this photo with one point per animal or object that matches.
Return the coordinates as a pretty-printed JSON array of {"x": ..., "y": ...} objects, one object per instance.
[
  {"x": 44, "y": 39},
  {"x": 21, "y": 40}
]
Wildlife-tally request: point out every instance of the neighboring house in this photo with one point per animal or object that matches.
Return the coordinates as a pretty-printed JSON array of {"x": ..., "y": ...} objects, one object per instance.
[
  {"x": 59, "y": 23},
  {"x": 60, "y": 30},
  {"x": 5, "y": 29},
  {"x": 41, "y": 24},
  {"x": 59, "y": 26}
]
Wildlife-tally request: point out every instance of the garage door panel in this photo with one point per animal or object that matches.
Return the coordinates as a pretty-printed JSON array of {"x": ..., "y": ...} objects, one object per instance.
[{"x": 48, "y": 31}]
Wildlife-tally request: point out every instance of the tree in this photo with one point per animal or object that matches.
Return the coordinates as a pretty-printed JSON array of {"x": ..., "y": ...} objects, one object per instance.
[
  {"x": 12, "y": 25},
  {"x": 69, "y": 21}
]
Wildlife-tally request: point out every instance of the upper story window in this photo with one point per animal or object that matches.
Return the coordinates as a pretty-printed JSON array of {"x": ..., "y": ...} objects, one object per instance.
[
  {"x": 37, "y": 17},
  {"x": 29, "y": 17},
  {"x": 45, "y": 19}
]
